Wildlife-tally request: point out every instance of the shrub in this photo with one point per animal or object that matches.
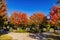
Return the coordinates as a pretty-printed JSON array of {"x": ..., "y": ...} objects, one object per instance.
[
  {"x": 20, "y": 30},
  {"x": 11, "y": 29}
]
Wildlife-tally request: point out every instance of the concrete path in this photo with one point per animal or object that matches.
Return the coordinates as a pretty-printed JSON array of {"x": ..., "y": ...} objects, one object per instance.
[{"x": 21, "y": 36}]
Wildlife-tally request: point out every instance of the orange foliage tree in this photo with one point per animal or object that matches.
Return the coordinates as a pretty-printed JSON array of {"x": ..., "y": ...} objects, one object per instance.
[
  {"x": 55, "y": 15},
  {"x": 18, "y": 18},
  {"x": 37, "y": 18}
]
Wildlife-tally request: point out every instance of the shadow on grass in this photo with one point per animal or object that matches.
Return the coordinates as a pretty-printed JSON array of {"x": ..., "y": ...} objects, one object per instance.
[
  {"x": 34, "y": 36},
  {"x": 3, "y": 32},
  {"x": 41, "y": 36}
]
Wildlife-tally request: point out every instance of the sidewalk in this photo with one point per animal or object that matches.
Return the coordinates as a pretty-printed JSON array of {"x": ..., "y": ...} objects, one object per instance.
[{"x": 21, "y": 36}]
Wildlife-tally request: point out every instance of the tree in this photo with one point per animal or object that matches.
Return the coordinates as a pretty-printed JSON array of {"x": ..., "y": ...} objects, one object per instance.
[
  {"x": 55, "y": 16},
  {"x": 24, "y": 19},
  {"x": 18, "y": 18},
  {"x": 3, "y": 13},
  {"x": 37, "y": 18}
]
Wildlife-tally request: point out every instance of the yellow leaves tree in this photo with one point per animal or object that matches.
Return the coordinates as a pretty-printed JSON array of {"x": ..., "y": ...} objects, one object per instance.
[{"x": 3, "y": 12}]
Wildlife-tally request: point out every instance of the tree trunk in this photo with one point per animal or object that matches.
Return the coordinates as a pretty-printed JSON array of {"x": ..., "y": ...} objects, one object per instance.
[
  {"x": 58, "y": 31},
  {"x": 37, "y": 28}
]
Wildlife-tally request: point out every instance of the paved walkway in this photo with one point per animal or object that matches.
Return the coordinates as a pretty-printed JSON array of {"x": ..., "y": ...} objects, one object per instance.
[{"x": 21, "y": 36}]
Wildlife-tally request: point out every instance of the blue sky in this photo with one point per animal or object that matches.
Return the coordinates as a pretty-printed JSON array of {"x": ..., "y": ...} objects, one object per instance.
[{"x": 30, "y": 6}]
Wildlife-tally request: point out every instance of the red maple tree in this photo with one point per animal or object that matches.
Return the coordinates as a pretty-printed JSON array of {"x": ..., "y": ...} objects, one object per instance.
[
  {"x": 18, "y": 18},
  {"x": 54, "y": 15}
]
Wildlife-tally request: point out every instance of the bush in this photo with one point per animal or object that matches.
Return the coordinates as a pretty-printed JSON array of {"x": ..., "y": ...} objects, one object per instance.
[
  {"x": 11, "y": 29},
  {"x": 34, "y": 30},
  {"x": 5, "y": 37},
  {"x": 20, "y": 30}
]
